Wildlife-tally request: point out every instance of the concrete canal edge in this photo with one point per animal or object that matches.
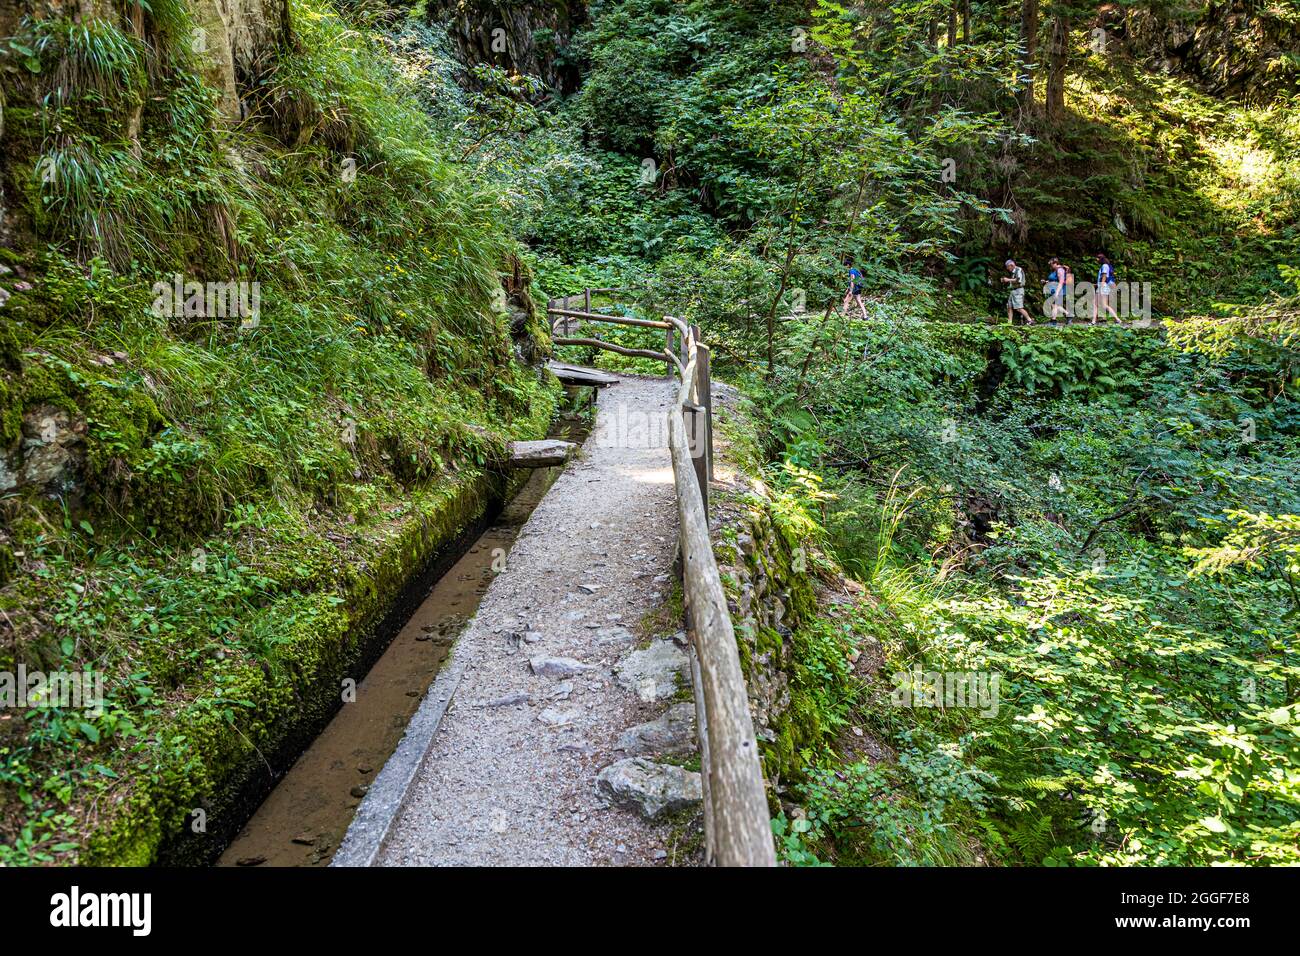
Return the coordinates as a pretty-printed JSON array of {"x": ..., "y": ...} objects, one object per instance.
[{"x": 387, "y": 795}]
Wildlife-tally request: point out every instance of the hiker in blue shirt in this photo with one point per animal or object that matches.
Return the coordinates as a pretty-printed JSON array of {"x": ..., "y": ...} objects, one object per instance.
[
  {"x": 1105, "y": 288},
  {"x": 1055, "y": 288},
  {"x": 855, "y": 288}
]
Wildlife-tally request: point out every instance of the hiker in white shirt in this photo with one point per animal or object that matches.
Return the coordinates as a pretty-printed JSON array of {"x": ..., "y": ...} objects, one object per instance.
[{"x": 1016, "y": 294}]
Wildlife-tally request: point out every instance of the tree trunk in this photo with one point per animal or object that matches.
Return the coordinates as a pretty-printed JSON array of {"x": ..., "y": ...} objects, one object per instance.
[
  {"x": 936, "y": 89},
  {"x": 965, "y": 21},
  {"x": 1029, "y": 43},
  {"x": 1058, "y": 60},
  {"x": 849, "y": 229},
  {"x": 952, "y": 24},
  {"x": 771, "y": 313}
]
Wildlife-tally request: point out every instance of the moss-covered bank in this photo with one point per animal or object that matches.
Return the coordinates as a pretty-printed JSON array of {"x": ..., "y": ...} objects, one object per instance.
[
  {"x": 847, "y": 781},
  {"x": 242, "y": 763},
  {"x": 214, "y": 500}
]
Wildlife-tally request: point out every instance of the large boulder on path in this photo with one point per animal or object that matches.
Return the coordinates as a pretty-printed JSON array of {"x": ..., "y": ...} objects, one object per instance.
[
  {"x": 655, "y": 672},
  {"x": 674, "y": 732},
  {"x": 650, "y": 788}
]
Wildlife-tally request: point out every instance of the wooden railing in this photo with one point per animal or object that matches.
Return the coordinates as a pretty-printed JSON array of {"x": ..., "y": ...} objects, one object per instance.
[{"x": 737, "y": 825}]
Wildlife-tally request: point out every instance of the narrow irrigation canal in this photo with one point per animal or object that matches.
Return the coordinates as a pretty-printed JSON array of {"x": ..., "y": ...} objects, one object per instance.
[{"x": 304, "y": 818}]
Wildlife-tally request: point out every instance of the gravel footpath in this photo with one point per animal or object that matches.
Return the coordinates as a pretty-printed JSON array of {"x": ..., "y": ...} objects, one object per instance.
[{"x": 510, "y": 776}]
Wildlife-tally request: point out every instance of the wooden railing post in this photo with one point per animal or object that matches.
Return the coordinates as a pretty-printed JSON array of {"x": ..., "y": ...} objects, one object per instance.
[
  {"x": 694, "y": 416},
  {"x": 702, "y": 734},
  {"x": 705, "y": 378}
]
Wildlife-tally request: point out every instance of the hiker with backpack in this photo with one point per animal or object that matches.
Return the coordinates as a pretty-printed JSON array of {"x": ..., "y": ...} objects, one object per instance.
[
  {"x": 1105, "y": 288},
  {"x": 1016, "y": 293},
  {"x": 1060, "y": 282},
  {"x": 855, "y": 288}
]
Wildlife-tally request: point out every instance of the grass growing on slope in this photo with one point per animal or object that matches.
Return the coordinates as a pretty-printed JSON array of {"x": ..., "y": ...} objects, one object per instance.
[{"x": 244, "y": 497}]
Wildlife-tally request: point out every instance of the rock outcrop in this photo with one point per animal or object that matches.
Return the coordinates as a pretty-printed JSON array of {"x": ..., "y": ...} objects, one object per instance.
[
  {"x": 525, "y": 37},
  {"x": 235, "y": 40},
  {"x": 1236, "y": 49},
  {"x": 50, "y": 453},
  {"x": 655, "y": 672},
  {"x": 673, "y": 732}
]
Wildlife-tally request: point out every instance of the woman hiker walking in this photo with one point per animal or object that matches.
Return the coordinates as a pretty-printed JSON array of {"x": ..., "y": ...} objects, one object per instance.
[
  {"x": 1055, "y": 288},
  {"x": 1105, "y": 289}
]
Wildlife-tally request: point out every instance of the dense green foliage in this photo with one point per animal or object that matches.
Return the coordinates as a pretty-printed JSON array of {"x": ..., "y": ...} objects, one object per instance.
[
  {"x": 1049, "y": 534},
  {"x": 254, "y": 489}
]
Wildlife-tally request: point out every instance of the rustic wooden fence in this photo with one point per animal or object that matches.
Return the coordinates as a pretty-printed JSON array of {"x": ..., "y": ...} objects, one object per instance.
[{"x": 737, "y": 825}]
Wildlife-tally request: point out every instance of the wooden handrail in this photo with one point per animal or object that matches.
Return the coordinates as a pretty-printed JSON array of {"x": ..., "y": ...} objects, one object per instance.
[
  {"x": 738, "y": 829},
  {"x": 611, "y": 347},
  {"x": 612, "y": 319},
  {"x": 565, "y": 313},
  {"x": 737, "y": 825}
]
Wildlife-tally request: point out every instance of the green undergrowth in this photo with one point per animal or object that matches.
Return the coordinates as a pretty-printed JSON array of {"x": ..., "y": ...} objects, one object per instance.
[
  {"x": 1095, "y": 518},
  {"x": 244, "y": 495},
  {"x": 832, "y": 804}
]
